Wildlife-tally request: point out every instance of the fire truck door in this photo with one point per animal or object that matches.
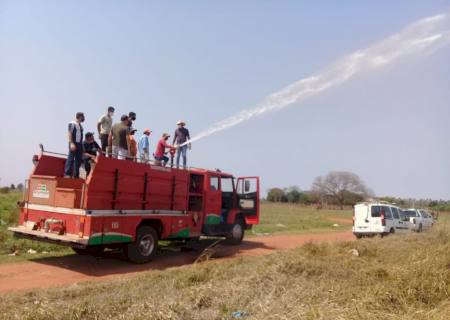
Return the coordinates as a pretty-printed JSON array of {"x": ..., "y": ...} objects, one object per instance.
[
  {"x": 213, "y": 201},
  {"x": 248, "y": 197}
]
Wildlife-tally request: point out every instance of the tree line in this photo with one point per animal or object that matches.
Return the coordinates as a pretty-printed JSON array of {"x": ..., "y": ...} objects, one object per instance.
[
  {"x": 20, "y": 187},
  {"x": 341, "y": 188}
]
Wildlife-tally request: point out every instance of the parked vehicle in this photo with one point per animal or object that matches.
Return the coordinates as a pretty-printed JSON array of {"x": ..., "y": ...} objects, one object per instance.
[
  {"x": 130, "y": 205},
  {"x": 375, "y": 218},
  {"x": 420, "y": 219}
]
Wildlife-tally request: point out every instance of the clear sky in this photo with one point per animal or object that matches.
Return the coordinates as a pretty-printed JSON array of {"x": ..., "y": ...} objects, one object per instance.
[{"x": 202, "y": 61}]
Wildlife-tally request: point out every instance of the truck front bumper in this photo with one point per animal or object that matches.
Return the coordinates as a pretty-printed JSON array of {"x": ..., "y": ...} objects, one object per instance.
[{"x": 70, "y": 240}]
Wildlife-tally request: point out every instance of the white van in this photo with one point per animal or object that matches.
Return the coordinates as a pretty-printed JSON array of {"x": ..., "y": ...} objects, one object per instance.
[{"x": 375, "y": 218}]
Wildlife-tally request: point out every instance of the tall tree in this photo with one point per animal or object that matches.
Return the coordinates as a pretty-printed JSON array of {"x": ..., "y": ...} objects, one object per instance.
[
  {"x": 339, "y": 186},
  {"x": 276, "y": 195}
]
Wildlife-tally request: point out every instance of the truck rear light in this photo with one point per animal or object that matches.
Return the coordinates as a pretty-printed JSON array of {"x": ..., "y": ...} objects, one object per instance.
[
  {"x": 383, "y": 220},
  {"x": 81, "y": 232}
]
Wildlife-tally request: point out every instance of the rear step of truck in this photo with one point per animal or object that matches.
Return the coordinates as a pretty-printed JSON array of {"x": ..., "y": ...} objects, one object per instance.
[{"x": 71, "y": 240}]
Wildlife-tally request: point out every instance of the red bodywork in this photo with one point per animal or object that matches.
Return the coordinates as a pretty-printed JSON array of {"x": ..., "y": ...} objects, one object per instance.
[{"x": 119, "y": 196}]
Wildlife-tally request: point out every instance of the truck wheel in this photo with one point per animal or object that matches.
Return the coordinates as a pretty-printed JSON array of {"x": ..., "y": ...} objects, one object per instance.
[
  {"x": 358, "y": 236},
  {"x": 236, "y": 234},
  {"x": 392, "y": 231},
  {"x": 89, "y": 251},
  {"x": 145, "y": 247}
]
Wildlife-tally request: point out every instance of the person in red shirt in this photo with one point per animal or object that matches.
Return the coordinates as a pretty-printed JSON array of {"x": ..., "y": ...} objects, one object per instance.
[{"x": 160, "y": 154}]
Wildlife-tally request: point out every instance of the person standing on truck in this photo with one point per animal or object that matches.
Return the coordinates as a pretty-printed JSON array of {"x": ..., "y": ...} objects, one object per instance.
[
  {"x": 160, "y": 154},
  {"x": 180, "y": 137},
  {"x": 91, "y": 148},
  {"x": 133, "y": 145},
  {"x": 75, "y": 157},
  {"x": 104, "y": 126},
  {"x": 144, "y": 146},
  {"x": 131, "y": 118},
  {"x": 119, "y": 137}
]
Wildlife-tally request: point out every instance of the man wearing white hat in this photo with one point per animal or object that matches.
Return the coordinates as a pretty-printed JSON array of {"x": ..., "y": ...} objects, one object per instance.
[
  {"x": 144, "y": 145},
  {"x": 180, "y": 137}
]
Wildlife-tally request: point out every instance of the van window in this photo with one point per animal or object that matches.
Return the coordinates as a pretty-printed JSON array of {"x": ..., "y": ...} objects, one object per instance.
[
  {"x": 387, "y": 212},
  {"x": 411, "y": 213},
  {"x": 395, "y": 213},
  {"x": 376, "y": 211}
]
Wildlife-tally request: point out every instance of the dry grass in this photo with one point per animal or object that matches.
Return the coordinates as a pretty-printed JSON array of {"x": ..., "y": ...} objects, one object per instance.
[{"x": 398, "y": 277}]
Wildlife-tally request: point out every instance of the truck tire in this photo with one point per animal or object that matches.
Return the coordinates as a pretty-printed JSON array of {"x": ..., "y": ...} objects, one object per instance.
[
  {"x": 392, "y": 231},
  {"x": 236, "y": 234},
  {"x": 89, "y": 251},
  {"x": 145, "y": 247}
]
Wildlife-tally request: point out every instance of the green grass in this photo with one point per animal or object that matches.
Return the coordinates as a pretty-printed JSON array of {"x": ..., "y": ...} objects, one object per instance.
[
  {"x": 400, "y": 277},
  {"x": 292, "y": 218}
]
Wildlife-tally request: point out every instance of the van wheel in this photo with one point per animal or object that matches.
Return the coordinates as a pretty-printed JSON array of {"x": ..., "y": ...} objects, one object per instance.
[
  {"x": 236, "y": 234},
  {"x": 145, "y": 247},
  {"x": 420, "y": 228},
  {"x": 89, "y": 251}
]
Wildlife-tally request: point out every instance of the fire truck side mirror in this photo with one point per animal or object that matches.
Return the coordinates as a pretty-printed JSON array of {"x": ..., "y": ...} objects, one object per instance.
[{"x": 247, "y": 185}]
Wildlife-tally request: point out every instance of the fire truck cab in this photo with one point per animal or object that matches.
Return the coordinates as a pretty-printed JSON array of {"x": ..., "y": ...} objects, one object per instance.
[{"x": 130, "y": 205}]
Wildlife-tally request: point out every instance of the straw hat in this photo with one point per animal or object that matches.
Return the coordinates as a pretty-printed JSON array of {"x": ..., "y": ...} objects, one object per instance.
[{"x": 181, "y": 122}]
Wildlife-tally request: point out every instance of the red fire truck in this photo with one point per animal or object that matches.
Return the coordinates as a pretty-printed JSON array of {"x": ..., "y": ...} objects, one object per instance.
[{"x": 130, "y": 205}]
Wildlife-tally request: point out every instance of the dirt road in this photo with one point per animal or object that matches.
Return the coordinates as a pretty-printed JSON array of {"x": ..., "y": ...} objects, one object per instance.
[{"x": 69, "y": 270}]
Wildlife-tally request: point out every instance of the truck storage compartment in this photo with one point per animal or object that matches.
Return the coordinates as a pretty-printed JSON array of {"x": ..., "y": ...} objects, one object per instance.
[{"x": 55, "y": 191}]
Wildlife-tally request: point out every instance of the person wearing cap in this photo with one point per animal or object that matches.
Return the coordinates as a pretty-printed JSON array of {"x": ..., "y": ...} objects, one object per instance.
[
  {"x": 119, "y": 137},
  {"x": 35, "y": 160},
  {"x": 75, "y": 137},
  {"x": 160, "y": 154},
  {"x": 180, "y": 137},
  {"x": 133, "y": 144},
  {"x": 104, "y": 126},
  {"x": 90, "y": 147},
  {"x": 144, "y": 146}
]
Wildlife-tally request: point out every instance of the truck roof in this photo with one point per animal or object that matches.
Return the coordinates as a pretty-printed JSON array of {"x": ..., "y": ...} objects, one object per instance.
[
  {"x": 378, "y": 203},
  {"x": 203, "y": 171}
]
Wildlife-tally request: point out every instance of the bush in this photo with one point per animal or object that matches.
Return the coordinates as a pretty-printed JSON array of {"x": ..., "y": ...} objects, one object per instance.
[{"x": 4, "y": 190}]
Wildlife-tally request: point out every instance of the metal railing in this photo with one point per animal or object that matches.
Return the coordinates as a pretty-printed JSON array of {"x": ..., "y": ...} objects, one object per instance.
[{"x": 128, "y": 158}]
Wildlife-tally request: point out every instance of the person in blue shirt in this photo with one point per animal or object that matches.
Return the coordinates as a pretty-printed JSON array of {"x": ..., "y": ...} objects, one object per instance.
[{"x": 144, "y": 146}]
